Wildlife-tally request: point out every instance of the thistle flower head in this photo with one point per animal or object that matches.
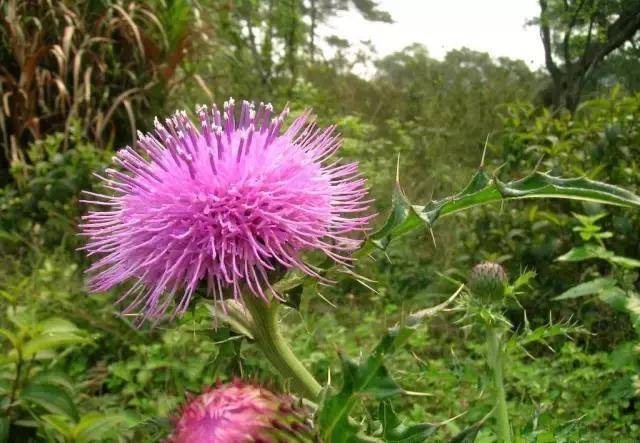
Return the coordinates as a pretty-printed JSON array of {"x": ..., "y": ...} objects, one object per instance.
[
  {"x": 222, "y": 205},
  {"x": 238, "y": 412},
  {"x": 488, "y": 280}
]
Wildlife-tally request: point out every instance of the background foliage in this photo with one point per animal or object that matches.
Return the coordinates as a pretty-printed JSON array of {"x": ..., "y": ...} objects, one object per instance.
[{"x": 79, "y": 78}]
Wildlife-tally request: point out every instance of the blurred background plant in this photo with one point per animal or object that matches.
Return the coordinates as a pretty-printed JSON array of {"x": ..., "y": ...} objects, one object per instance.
[
  {"x": 79, "y": 78},
  {"x": 100, "y": 65}
]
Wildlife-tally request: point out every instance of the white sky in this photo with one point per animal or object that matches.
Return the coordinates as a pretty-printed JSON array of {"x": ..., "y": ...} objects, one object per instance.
[{"x": 493, "y": 26}]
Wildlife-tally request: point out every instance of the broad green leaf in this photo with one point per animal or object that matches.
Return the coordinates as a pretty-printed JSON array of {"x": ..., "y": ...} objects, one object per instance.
[
  {"x": 586, "y": 252},
  {"x": 57, "y": 325},
  {"x": 15, "y": 341},
  {"x": 51, "y": 398},
  {"x": 60, "y": 423},
  {"x": 615, "y": 297},
  {"x": 591, "y": 251},
  {"x": 53, "y": 378},
  {"x": 99, "y": 427},
  {"x": 46, "y": 335},
  {"x": 589, "y": 220},
  {"x": 52, "y": 341},
  {"x": 625, "y": 262},
  {"x": 595, "y": 286},
  {"x": 633, "y": 308},
  {"x": 52, "y": 334}
]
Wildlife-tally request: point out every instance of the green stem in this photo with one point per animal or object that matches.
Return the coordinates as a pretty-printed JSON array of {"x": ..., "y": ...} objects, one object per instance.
[
  {"x": 495, "y": 361},
  {"x": 268, "y": 338}
]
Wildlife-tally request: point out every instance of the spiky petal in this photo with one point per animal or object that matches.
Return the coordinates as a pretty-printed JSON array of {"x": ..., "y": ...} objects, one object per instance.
[
  {"x": 237, "y": 412},
  {"x": 225, "y": 204}
]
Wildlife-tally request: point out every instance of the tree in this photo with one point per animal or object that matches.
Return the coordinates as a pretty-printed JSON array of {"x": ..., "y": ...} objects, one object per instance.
[
  {"x": 264, "y": 45},
  {"x": 320, "y": 10},
  {"x": 577, "y": 36}
]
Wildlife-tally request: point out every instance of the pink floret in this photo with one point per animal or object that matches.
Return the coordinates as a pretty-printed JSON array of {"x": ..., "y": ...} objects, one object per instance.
[
  {"x": 224, "y": 205},
  {"x": 231, "y": 413}
]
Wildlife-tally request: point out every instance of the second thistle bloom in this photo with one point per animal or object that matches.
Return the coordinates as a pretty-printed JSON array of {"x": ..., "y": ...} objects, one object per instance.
[
  {"x": 238, "y": 412},
  {"x": 223, "y": 204}
]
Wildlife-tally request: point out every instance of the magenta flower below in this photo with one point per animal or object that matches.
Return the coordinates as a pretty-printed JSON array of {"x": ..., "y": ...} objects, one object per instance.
[
  {"x": 237, "y": 412},
  {"x": 222, "y": 205}
]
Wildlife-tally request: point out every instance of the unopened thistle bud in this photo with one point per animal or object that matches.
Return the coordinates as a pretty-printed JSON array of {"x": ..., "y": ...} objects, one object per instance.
[
  {"x": 488, "y": 280},
  {"x": 237, "y": 412}
]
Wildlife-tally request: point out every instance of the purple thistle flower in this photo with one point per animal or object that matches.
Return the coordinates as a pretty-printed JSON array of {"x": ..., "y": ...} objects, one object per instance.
[
  {"x": 239, "y": 412},
  {"x": 224, "y": 204}
]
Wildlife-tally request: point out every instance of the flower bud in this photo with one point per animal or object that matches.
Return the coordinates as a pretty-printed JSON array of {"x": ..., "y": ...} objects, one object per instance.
[
  {"x": 240, "y": 412},
  {"x": 488, "y": 280}
]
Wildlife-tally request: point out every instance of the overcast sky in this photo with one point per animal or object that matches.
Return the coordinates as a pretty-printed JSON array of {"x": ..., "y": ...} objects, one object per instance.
[{"x": 493, "y": 26}]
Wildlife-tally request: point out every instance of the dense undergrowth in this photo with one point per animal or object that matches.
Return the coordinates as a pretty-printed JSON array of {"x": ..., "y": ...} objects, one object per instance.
[
  {"x": 573, "y": 386},
  {"x": 74, "y": 369}
]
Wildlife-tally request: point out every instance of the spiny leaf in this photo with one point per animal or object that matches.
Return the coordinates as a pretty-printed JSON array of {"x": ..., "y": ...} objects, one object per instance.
[
  {"x": 402, "y": 219},
  {"x": 395, "y": 431},
  {"x": 542, "y": 333},
  {"x": 482, "y": 189},
  {"x": 467, "y": 435},
  {"x": 368, "y": 378}
]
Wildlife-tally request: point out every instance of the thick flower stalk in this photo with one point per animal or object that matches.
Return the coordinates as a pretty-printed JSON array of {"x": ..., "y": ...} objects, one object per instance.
[
  {"x": 222, "y": 205},
  {"x": 238, "y": 412},
  {"x": 488, "y": 282}
]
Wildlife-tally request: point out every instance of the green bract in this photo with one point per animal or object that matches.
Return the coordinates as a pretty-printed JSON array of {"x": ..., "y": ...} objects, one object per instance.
[{"x": 488, "y": 280}]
